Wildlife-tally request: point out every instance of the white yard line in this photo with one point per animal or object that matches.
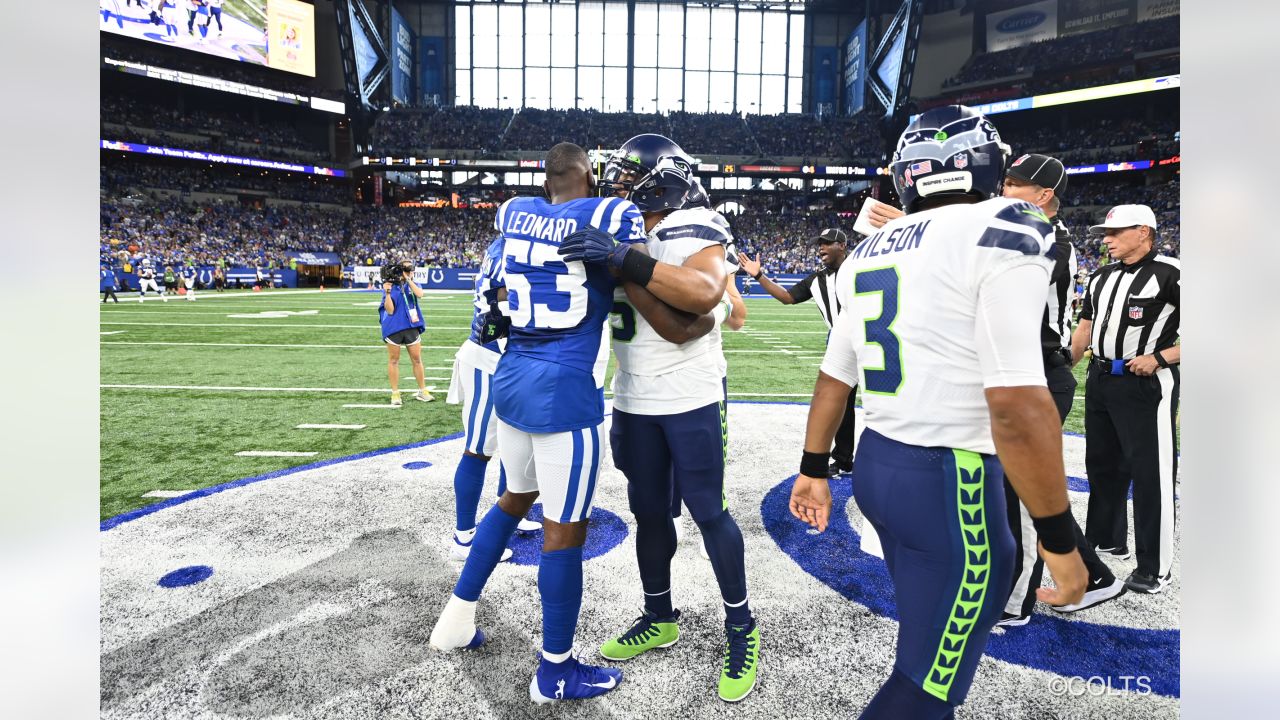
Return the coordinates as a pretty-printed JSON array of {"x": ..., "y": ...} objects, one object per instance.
[
  {"x": 113, "y": 332},
  {"x": 279, "y": 345},
  {"x": 240, "y": 388},
  {"x": 166, "y": 493},
  {"x": 277, "y": 326},
  {"x": 321, "y": 426},
  {"x": 363, "y": 405},
  {"x": 274, "y": 453}
]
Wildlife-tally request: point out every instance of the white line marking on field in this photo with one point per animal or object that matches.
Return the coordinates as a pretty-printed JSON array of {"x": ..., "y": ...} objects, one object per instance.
[
  {"x": 114, "y": 332},
  {"x": 363, "y": 405},
  {"x": 321, "y": 426},
  {"x": 238, "y": 388},
  {"x": 278, "y": 345},
  {"x": 274, "y": 453},
  {"x": 167, "y": 493},
  {"x": 264, "y": 327},
  {"x": 274, "y": 314}
]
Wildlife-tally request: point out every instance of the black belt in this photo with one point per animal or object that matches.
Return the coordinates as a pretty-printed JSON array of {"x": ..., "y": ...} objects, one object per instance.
[{"x": 1110, "y": 367}]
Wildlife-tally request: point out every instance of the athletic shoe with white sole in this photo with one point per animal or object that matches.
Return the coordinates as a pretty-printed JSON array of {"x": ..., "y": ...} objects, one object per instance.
[
  {"x": 1011, "y": 620},
  {"x": 1098, "y": 592},
  {"x": 423, "y": 396},
  {"x": 395, "y": 399},
  {"x": 526, "y": 526},
  {"x": 460, "y": 551},
  {"x": 1115, "y": 553},
  {"x": 456, "y": 629},
  {"x": 741, "y": 660},
  {"x": 648, "y": 632},
  {"x": 1149, "y": 584},
  {"x": 571, "y": 680}
]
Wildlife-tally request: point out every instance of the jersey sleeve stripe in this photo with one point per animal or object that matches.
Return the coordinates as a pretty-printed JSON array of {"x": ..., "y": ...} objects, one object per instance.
[
  {"x": 1007, "y": 240},
  {"x": 615, "y": 219},
  {"x": 498, "y": 220},
  {"x": 598, "y": 216},
  {"x": 701, "y": 231}
]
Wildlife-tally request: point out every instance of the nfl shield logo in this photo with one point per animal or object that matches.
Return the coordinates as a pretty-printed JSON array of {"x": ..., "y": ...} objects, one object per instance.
[
  {"x": 1135, "y": 312},
  {"x": 960, "y": 161}
]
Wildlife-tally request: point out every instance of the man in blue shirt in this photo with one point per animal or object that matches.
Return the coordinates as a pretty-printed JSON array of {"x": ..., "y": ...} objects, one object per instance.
[
  {"x": 548, "y": 395},
  {"x": 108, "y": 284}
]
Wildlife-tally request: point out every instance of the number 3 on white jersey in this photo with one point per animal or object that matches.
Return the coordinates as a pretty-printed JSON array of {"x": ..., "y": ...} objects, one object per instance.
[{"x": 536, "y": 300}]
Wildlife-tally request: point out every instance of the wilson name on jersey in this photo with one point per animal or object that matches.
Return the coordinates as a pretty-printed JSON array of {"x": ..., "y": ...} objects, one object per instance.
[{"x": 909, "y": 296}]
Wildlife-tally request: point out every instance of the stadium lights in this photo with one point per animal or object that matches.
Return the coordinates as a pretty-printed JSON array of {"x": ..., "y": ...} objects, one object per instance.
[{"x": 1166, "y": 82}]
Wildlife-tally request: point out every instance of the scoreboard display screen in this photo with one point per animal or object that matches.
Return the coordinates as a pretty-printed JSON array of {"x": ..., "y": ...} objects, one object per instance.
[{"x": 278, "y": 34}]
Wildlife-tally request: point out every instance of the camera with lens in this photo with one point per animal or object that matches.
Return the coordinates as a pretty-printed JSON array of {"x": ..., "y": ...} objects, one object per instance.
[{"x": 393, "y": 273}]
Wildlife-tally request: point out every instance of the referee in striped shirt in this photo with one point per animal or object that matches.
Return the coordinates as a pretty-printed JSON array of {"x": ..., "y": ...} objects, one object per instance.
[
  {"x": 1041, "y": 180},
  {"x": 833, "y": 247},
  {"x": 1129, "y": 322}
]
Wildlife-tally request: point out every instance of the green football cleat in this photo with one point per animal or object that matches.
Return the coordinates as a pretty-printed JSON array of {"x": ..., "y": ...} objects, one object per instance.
[
  {"x": 647, "y": 633},
  {"x": 741, "y": 660}
]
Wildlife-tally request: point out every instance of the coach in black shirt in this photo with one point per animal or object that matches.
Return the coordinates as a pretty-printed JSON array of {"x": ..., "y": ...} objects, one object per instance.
[
  {"x": 1129, "y": 322},
  {"x": 820, "y": 285}
]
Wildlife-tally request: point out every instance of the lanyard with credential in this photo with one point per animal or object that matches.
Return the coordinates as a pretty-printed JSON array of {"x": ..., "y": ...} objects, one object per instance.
[{"x": 409, "y": 307}]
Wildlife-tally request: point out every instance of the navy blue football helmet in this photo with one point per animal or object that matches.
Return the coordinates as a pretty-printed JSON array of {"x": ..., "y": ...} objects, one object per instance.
[
  {"x": 650, "y": 171},
  {"x": 950, "y": 150}
]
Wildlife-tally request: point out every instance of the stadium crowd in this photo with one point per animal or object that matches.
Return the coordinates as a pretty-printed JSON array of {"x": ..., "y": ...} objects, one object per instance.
[
  {"x": 1101, "y": 46},
  {"x": 211, "y": 130}
]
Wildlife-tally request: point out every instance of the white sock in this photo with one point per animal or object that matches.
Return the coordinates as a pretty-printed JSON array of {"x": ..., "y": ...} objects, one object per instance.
[
  {"x": 464, "y": 536},
  {"x": 556, "y": 657}
]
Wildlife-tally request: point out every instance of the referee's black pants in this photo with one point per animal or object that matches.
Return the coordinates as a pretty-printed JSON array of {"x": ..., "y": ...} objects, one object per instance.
[
  {"x": 842, "y": 453},
  {"x": 1028, "y": 566},
  {"x": 1130, "y": 424}
]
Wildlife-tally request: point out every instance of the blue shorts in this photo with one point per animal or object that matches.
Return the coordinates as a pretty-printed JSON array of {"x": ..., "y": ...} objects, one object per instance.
[
  {"x": 940, "y": 514},
  {"x": 663, "y": 455}
]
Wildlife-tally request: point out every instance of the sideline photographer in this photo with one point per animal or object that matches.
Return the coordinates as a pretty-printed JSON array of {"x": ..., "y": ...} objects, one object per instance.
[{"x": 402, "y": 326}]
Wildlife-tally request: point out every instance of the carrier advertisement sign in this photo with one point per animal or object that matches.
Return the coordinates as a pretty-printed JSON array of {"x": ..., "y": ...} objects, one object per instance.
[{"x": 1022, "y": 26}]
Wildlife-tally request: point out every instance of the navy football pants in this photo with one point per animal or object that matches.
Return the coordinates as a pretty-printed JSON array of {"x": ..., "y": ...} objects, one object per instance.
[
  {"x": 666, "y": 456},
  {"x": 940, "y": 514}
]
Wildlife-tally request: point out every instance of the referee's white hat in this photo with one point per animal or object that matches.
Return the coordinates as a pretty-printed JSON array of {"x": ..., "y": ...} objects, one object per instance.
[{"x": 1123, "y": 216}]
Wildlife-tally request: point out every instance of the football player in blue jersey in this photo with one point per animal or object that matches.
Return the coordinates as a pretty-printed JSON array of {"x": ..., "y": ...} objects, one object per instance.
[
  {"x": 668, "y": 431},
  {"x": 940, "y": 325},
  {"x": 188, "y": 273},
  {"x": 548, "y": 393},
  {"x": 472, "y": 388}
]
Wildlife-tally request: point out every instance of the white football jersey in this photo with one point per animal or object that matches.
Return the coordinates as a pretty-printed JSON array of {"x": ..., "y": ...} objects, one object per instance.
[
  {"x": 657, "y": 377},
  {"x": 925, "y": 328}
]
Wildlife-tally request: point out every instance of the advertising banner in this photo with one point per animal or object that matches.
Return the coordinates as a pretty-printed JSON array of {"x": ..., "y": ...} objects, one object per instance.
[
  {"x": 219, "y": 158},
  {"x": 431, "y": 62},
  {"x": 402, "y": 45},
  {"x": 1022, "y": 26},
  {"x": 855, "y": 70},
  {"x": 428, "y": 278},
  {"x": 1082, "y": 16},
  {"x": 314, "y": 258},
  {"x": 1156, "y": 9}
]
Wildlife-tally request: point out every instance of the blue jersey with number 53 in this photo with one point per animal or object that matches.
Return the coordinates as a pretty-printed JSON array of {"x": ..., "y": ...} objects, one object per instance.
[{"x": 551, "y": 378}]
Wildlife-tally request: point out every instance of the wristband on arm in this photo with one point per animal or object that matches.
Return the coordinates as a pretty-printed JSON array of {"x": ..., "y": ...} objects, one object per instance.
[
  {"x": 637, "y": 268},
  {"x": 1160, "y": 359},
  {"x": 815, "y": 464},
  {"x": 1057, "y": 532}
]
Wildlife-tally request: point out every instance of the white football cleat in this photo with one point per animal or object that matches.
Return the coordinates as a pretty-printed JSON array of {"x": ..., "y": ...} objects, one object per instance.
[
  {"x": 459, "y": 552},
  {"x": 456, "y": 629},
  {"x": 528, "y": 526}
]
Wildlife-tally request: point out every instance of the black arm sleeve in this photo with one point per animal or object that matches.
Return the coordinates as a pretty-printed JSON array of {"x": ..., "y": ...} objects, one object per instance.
[{"x": 802, "y": 290}]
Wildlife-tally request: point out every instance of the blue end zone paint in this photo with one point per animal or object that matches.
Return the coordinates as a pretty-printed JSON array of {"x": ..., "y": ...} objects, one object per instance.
[
  {"x": 605, "y": 531},
  {"x": 142, "y": 512},
  {"x": 1069, "y": 648},
  {"x": 416, "y": 465},
  {"x": 186, "y": 576}
]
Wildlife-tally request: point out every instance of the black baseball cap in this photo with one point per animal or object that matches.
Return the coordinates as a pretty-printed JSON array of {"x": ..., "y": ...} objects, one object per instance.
[
  {"x": 1042, "y": 170},
  {"x": 832, "y": 235}
]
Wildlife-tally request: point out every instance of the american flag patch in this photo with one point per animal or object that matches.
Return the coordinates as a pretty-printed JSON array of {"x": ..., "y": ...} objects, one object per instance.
[
  {"x": 924, "y": 166},
  {"x": 1135, "y": 312}
]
